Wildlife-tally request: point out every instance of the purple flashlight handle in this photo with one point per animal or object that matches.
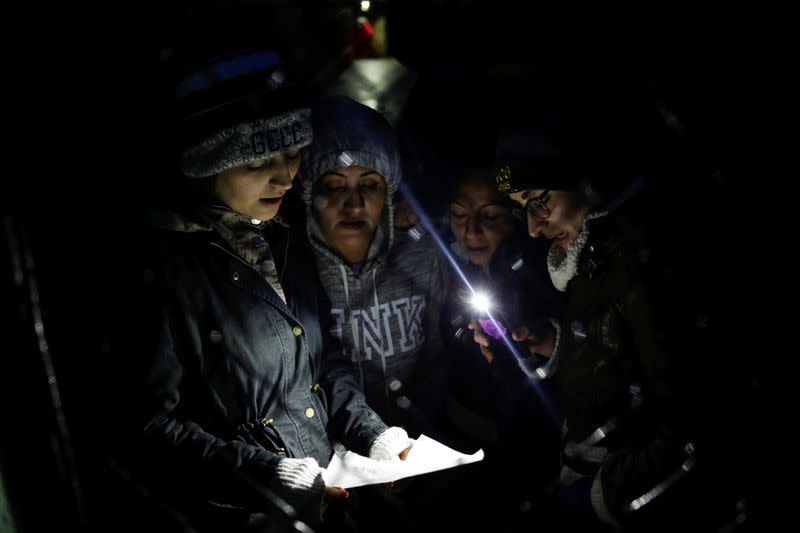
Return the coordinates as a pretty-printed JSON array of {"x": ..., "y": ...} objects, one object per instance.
[{"x": 492, "y": 328}]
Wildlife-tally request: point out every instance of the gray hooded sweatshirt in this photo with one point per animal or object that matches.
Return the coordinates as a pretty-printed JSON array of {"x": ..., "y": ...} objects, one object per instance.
[{"x": 387, "y": 311}]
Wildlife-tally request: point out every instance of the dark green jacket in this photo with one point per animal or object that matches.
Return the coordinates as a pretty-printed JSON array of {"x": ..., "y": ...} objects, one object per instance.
[{"x": 616, "y": 366}]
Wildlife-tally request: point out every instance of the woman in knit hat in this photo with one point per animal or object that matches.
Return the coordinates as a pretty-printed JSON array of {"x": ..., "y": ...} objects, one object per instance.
[
  {"x": 234, "y": 401},
  {"x": 385, "y": 285}
]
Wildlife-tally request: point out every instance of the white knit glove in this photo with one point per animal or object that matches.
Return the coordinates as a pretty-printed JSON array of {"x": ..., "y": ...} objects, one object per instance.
[
  {"x": 389, "y": 444},
  {"x": 299, "y": 482}
]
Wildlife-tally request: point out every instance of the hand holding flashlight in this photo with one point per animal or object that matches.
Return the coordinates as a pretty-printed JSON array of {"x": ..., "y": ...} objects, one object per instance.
[
  {"x": 482, "y": 339},
  {"x": 487, "y": 324},
  {"x": 541, "y": 340},
  {"x": 488, "y": 328},
  {"x": 542, "y": 343}
]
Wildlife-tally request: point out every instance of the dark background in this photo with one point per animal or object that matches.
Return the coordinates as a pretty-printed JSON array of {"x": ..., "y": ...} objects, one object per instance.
[{"x": 88, "y": 116}]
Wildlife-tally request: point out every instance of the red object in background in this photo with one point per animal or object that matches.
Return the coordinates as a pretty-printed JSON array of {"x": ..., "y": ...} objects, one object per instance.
[{"x": 361, "y": 44}]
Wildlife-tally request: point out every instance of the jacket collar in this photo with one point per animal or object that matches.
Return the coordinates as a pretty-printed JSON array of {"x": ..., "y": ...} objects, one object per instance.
[
  {"x": 246, "y": 277},
  {"x": 562, "y": 265}
]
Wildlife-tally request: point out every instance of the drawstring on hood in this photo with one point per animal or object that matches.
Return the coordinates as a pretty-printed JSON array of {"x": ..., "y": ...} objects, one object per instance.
[
  {"x": 353, "y": 328},
  {"x": 377, "y": 318}
]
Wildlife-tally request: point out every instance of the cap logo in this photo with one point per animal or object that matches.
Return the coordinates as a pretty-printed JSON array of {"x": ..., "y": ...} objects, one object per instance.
[
  {"x": 276, "y": 139},
  {"x": 248, "y": 141},
  {"x": 503, "y": 179}
]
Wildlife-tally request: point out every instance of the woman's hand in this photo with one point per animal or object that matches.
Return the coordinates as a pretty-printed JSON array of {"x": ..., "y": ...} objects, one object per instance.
[
  {"x": 480, "y": 337},
  {"x": 333, "y": 494},
  {"x": 540, "y": 339},
  {"x": 401, "y": 485}
]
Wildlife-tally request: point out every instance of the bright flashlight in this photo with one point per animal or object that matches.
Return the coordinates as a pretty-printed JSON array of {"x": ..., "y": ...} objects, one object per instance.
[
  {"x": 481, "y": 302},
  {"x": 482, "y": 305},
  {"x": 365, "y": 6}
]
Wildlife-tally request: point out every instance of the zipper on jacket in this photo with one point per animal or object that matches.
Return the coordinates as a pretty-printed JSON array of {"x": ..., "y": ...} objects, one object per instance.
[
  {"x": 285, "y": 259},
  {"x": 280, "y": 445}
]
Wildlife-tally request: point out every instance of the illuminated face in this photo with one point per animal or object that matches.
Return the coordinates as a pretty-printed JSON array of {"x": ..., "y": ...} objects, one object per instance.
[
  {"x": 256, "y": 189},
  {"x": 555, "y": 215},
  {"x": 480, "y": 221},
  {"x": 347, "y": 203}
]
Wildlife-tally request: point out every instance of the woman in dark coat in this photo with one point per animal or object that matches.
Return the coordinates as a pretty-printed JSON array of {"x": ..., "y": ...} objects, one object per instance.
[
  {"x": 612, "y": 352},
  {"x": 233, "y": 401}
]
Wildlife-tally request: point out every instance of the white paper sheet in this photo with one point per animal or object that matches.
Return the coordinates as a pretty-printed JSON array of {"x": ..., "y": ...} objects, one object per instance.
[{"x": 349, "y": 469}]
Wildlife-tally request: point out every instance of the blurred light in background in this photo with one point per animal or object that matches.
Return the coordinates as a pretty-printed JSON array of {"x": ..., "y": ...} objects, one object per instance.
[{"x": 365, "y": 6}]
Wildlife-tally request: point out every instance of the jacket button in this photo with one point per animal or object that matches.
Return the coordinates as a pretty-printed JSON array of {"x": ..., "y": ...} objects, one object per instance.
[
  {"x": 309, "y": 413},
  {"x": 297, "y": 330},
  {"x": 235, "y": 276}
]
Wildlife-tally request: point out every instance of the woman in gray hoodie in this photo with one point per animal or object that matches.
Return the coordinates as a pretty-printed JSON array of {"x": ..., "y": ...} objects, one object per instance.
[{"x": 386, "y": 287}]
